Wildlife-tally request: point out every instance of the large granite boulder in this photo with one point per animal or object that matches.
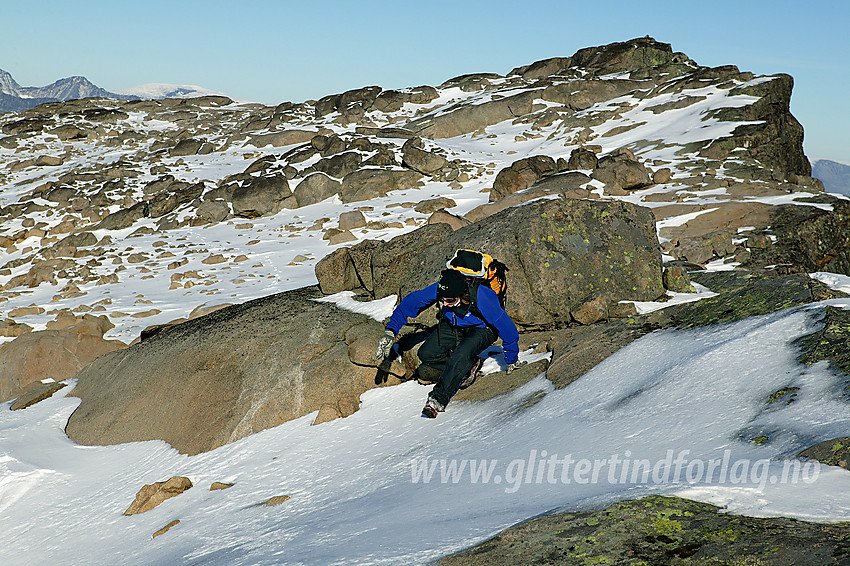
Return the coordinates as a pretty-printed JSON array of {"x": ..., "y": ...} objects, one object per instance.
[
  {"x": 237, "y": 371},
  {"x": 562, "y": 254}
]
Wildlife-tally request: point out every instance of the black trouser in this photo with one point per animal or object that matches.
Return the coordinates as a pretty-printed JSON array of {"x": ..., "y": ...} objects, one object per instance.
[{"x": 451, "y": 350}]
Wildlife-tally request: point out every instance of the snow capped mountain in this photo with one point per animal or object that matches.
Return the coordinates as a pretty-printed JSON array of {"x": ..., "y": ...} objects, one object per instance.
[
  {"x": 164, "y": 90},
  {"x": 15, "y": 98},
  {"x": 9, "y": 86}
]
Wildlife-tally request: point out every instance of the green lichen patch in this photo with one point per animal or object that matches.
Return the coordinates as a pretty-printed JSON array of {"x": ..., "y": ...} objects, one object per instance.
[
  {"x": 829, "y": 342},
  {"x": 744, "y": 294},
  {"x": 788, "y": 393},
  {"x": 661, "y": 530}
]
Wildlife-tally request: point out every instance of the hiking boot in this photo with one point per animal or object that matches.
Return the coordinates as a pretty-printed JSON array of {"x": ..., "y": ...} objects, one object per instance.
[
  {"x": 473, "y": 373},
  {"x": 432, "y": 407}
]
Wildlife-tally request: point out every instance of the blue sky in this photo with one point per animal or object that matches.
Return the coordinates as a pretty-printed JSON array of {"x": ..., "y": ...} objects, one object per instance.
[{"x": 269, "y": 52}]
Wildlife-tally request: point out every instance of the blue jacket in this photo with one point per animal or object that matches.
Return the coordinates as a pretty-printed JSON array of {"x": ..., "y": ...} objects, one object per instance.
[{"x": 487, "y": 303}]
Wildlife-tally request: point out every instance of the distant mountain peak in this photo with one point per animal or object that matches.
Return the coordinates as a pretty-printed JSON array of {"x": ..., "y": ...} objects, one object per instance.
[{"x": 15, "y": 98}]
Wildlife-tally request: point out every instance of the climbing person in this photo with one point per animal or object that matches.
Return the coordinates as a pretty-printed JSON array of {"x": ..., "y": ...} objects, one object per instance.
[{"x": 471, "y": 318}]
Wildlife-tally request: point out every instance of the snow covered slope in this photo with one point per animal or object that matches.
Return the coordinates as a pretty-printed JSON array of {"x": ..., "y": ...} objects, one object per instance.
[{"x": 384, "y": 486}]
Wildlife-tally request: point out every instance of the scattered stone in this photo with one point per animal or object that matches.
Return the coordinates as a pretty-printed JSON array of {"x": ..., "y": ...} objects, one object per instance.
[
  {"x": 26, "y": 311},
  {"x": 443, "y": 216},
  {"x": 675, "y": 278},
  {"x": 152, "y": 495},
  {"x": 166, "y": 528},
  {"x": 591, "y": 311},
  {"x": 366, "y": 184},
  {"x": 701, "y": 250},
  {"x": 351, "y": 220},
  {"x": 35, "y": 393},
  {"x": 276, "y": 500},
  {"x": 662, "y": 176},
  {"x": 432, "y": 205},
  {"x": 335, "y": 236},
  {"x": 214, "y": 259},
  {"x": 11, "y": 329},
  {"x": 217, "y": 485},
  {"x": 48, "y": 161},
  {"x": 282, "y": 139},
  {"x": 146, "y": 314}
]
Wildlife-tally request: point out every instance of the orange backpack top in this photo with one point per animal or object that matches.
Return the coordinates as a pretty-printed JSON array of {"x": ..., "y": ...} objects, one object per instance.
[{"x": 480, "y": 267}]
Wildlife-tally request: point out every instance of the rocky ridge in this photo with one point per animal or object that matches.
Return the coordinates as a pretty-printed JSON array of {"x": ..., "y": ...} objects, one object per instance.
[{"x": 124, "y": 210}]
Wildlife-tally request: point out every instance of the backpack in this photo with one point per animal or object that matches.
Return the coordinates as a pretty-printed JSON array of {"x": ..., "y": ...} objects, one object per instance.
[{"x": 481, "y": 268}]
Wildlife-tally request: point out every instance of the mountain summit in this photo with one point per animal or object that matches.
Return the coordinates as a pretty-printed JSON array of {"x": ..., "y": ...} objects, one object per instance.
[{"x": 14, "y": 97}]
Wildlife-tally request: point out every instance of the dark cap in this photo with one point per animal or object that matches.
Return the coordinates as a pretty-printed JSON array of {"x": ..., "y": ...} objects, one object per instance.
[{"x": 452, "y": 284}]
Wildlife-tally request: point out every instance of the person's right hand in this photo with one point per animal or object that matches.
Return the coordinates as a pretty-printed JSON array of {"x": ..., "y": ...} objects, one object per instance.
[{"x": 385, "y": 345}]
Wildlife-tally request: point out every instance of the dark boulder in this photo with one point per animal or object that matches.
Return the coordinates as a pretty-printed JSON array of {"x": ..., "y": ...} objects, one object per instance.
[
  {"x": 186, "y": 147},
  {"x": 417, "y": 158},
  {"x": 808, "y": 238},
  {"x": 339, "y": 165},
  {"x": 377, "y": 267},
  {"x": 261, "y": 196},
  {"x": 316, "y": 188},
  {"x": 167, "y": 201},
  {"x": 522, "y": 174},
  {"x": 583, "y": 158},
  {"x": 124, "y": 218},
  {"x": 621, "y": 170},
  {"x": 561, "y": 253}
]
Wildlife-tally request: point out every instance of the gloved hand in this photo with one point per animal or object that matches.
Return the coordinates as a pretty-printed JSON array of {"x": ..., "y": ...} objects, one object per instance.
[
  {"x": 516, "y": 365},
  {"x": 385, "y": 345}
]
